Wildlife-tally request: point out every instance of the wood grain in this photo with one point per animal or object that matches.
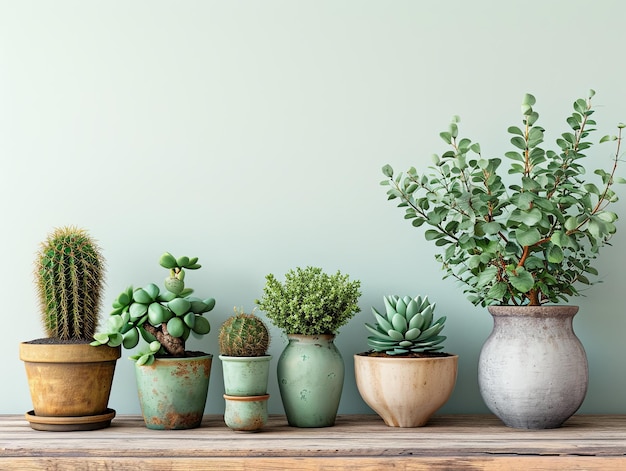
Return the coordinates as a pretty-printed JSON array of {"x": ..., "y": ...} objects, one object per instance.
[{"x": 356, "y": 443}]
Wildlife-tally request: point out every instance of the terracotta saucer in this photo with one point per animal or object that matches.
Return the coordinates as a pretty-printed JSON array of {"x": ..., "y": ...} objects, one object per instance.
[{"x": 69, "y": 424}]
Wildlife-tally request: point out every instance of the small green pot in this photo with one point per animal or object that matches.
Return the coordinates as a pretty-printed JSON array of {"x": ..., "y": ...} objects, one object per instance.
[
  {"x": 173, "y": 391},
  {"x": 246, "y": 413},
  {"x": 245, "y": 376}
]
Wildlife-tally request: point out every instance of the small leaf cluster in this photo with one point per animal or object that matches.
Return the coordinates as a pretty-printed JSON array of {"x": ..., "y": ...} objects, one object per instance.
[
  {"x": 405, "y": 326},
  {"x": 163, "y": 318},
  {"x": 69, "y": 274},
  {"x": 243, "y": 335},
  {"x": 522, "y": 233},
  {"x": 309, "y": 301}
]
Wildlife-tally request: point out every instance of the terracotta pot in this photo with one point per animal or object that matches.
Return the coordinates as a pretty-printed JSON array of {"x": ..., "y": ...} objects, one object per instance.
[
  {"x": 532, "y": 370},
  {"x": 69, "y": 380},
  {"x": 405, "y": 392}
]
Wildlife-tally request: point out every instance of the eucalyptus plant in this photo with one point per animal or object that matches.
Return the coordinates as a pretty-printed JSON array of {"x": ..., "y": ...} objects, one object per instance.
[
  {"x": 309, "y": 301},
  {"x": 522, "y": 233},
  {"x": 163, "y": 318}
]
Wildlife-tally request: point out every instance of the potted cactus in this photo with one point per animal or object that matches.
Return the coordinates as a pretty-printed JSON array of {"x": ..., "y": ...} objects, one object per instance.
[
  {"x": 520, "y": 238},
  {"x": 69, "y": 381},
  {"x": 310, "y": 306},
  {"x": 172, "y": 382},
  {"x": 404, "y": 355},
  {"x": 243, "y": 340}
]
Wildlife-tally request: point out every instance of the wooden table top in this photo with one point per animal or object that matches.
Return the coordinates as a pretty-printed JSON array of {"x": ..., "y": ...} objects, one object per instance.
[{"x": 356, "y": 442}]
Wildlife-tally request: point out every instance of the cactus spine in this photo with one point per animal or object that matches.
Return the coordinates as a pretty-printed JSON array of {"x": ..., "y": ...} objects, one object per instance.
[
  {"x": 69, "y": 273},
  {"x": 243, "y": 335}
]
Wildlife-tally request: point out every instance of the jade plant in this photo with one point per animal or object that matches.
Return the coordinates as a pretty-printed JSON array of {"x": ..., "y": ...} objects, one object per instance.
[
  {"x": 525, "y": 233},
  {"x": 406, "y": 327},
  {"x": 69, "y": 276},
  {"x": 309, "y": 301},
  {"x": 163, "y": 318},
  {"x": 243, "y": 335}
]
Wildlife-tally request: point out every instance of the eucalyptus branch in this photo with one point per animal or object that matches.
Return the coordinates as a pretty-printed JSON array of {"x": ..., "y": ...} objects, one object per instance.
[{"x": 517, "y": 244}]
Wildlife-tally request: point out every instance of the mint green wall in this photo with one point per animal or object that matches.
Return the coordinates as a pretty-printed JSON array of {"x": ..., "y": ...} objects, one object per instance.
[{"x": 252, "y": 133}]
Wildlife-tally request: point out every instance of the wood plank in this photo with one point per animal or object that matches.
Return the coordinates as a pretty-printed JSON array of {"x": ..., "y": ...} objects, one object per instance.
[
  {"x": 356, "y": 442},
  {"x": 458, "y": 463}
]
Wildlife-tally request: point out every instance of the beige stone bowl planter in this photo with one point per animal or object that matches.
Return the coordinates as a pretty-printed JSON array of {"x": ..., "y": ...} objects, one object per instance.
[{"x": 405, "y": 392}]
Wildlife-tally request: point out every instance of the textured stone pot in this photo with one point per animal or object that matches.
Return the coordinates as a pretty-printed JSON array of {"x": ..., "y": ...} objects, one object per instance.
[
  {"x": 245, "y": 376},
  {"x": 69, "y": 380},
  {"x": 310, "y": 379},
  {"x": 532, "y": 370},
  {"x": 173, "y": 391},
  {"x": 405, "y": 392},
  {"x": 246, "y": 413}
]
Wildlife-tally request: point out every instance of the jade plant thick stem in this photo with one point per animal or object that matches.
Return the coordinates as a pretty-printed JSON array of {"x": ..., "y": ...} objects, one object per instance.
[
  {"x": 525, "y": 233},
  {"x": 69, "y": 274},
  {"x": 164, "y": 319}
]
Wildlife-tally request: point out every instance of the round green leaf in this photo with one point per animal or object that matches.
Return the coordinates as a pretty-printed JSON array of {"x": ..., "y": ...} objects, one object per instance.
[
  {"x": 152, "y": 290},
  {"x": 175, "y": 327},
  {"x": 179, "y": 306},
  {"x": 522, "y": 281},
  {"x": 142, "y": 296},
  {"x": 190, "y": 319},
  {"x": 528, "y": 237},
  {"x": 157, "y": 314},
  {"x": 555, "y": 254},
  {"x": 201, "y": 325},
  {"x": 131, "y": 338},
  {"x": 137, "y": 310}
]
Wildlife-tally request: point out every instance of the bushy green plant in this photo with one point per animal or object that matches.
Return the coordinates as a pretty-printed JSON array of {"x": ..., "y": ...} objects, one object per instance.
[
  {"x": 69, "y": 275},
  {"x": 310, "y": 302},
  {"x": 243, "y": 335},
  {"x": 164, "y": 319},
  {"x": 526, "y": 242},
  {"x": 406, "y": 326}
]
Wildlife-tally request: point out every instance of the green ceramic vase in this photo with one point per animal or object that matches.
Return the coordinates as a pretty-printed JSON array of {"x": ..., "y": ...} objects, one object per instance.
[
  {"x": 173, "y": 391},
  {"x": 310, "y": 380}
]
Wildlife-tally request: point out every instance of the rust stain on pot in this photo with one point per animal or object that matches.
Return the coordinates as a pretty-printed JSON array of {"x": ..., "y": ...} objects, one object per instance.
[
  {"x": 176, "y": 420},
  {"x": 154, "y": 421},
  {"x": 181, "y": 371},
  {"x": 250, "y": 424}
]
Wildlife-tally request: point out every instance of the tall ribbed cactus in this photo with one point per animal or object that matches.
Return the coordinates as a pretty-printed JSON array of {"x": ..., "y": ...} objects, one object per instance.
[
  {"x": 243, "y": 335},
  {"x": 69, "y": 274}
]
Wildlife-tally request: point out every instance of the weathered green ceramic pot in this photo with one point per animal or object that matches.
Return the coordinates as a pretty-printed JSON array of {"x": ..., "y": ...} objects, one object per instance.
[
  {"x": 245, "y": 376},
  {"x": 310, "y": 380},
  {"x": 173, "y": 391},
  {"x": 246, "y": 413}
]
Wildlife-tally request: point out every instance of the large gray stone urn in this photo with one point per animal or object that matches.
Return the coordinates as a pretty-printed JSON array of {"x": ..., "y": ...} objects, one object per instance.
[{"x": 532, "y": 369}]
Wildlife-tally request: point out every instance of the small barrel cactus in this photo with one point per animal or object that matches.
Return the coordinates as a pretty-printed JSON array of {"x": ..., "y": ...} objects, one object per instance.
[
  {"x": 243, "y": 335},
  {"x": 407, "y": 326},
  {"x": 69, "y": 274}
]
